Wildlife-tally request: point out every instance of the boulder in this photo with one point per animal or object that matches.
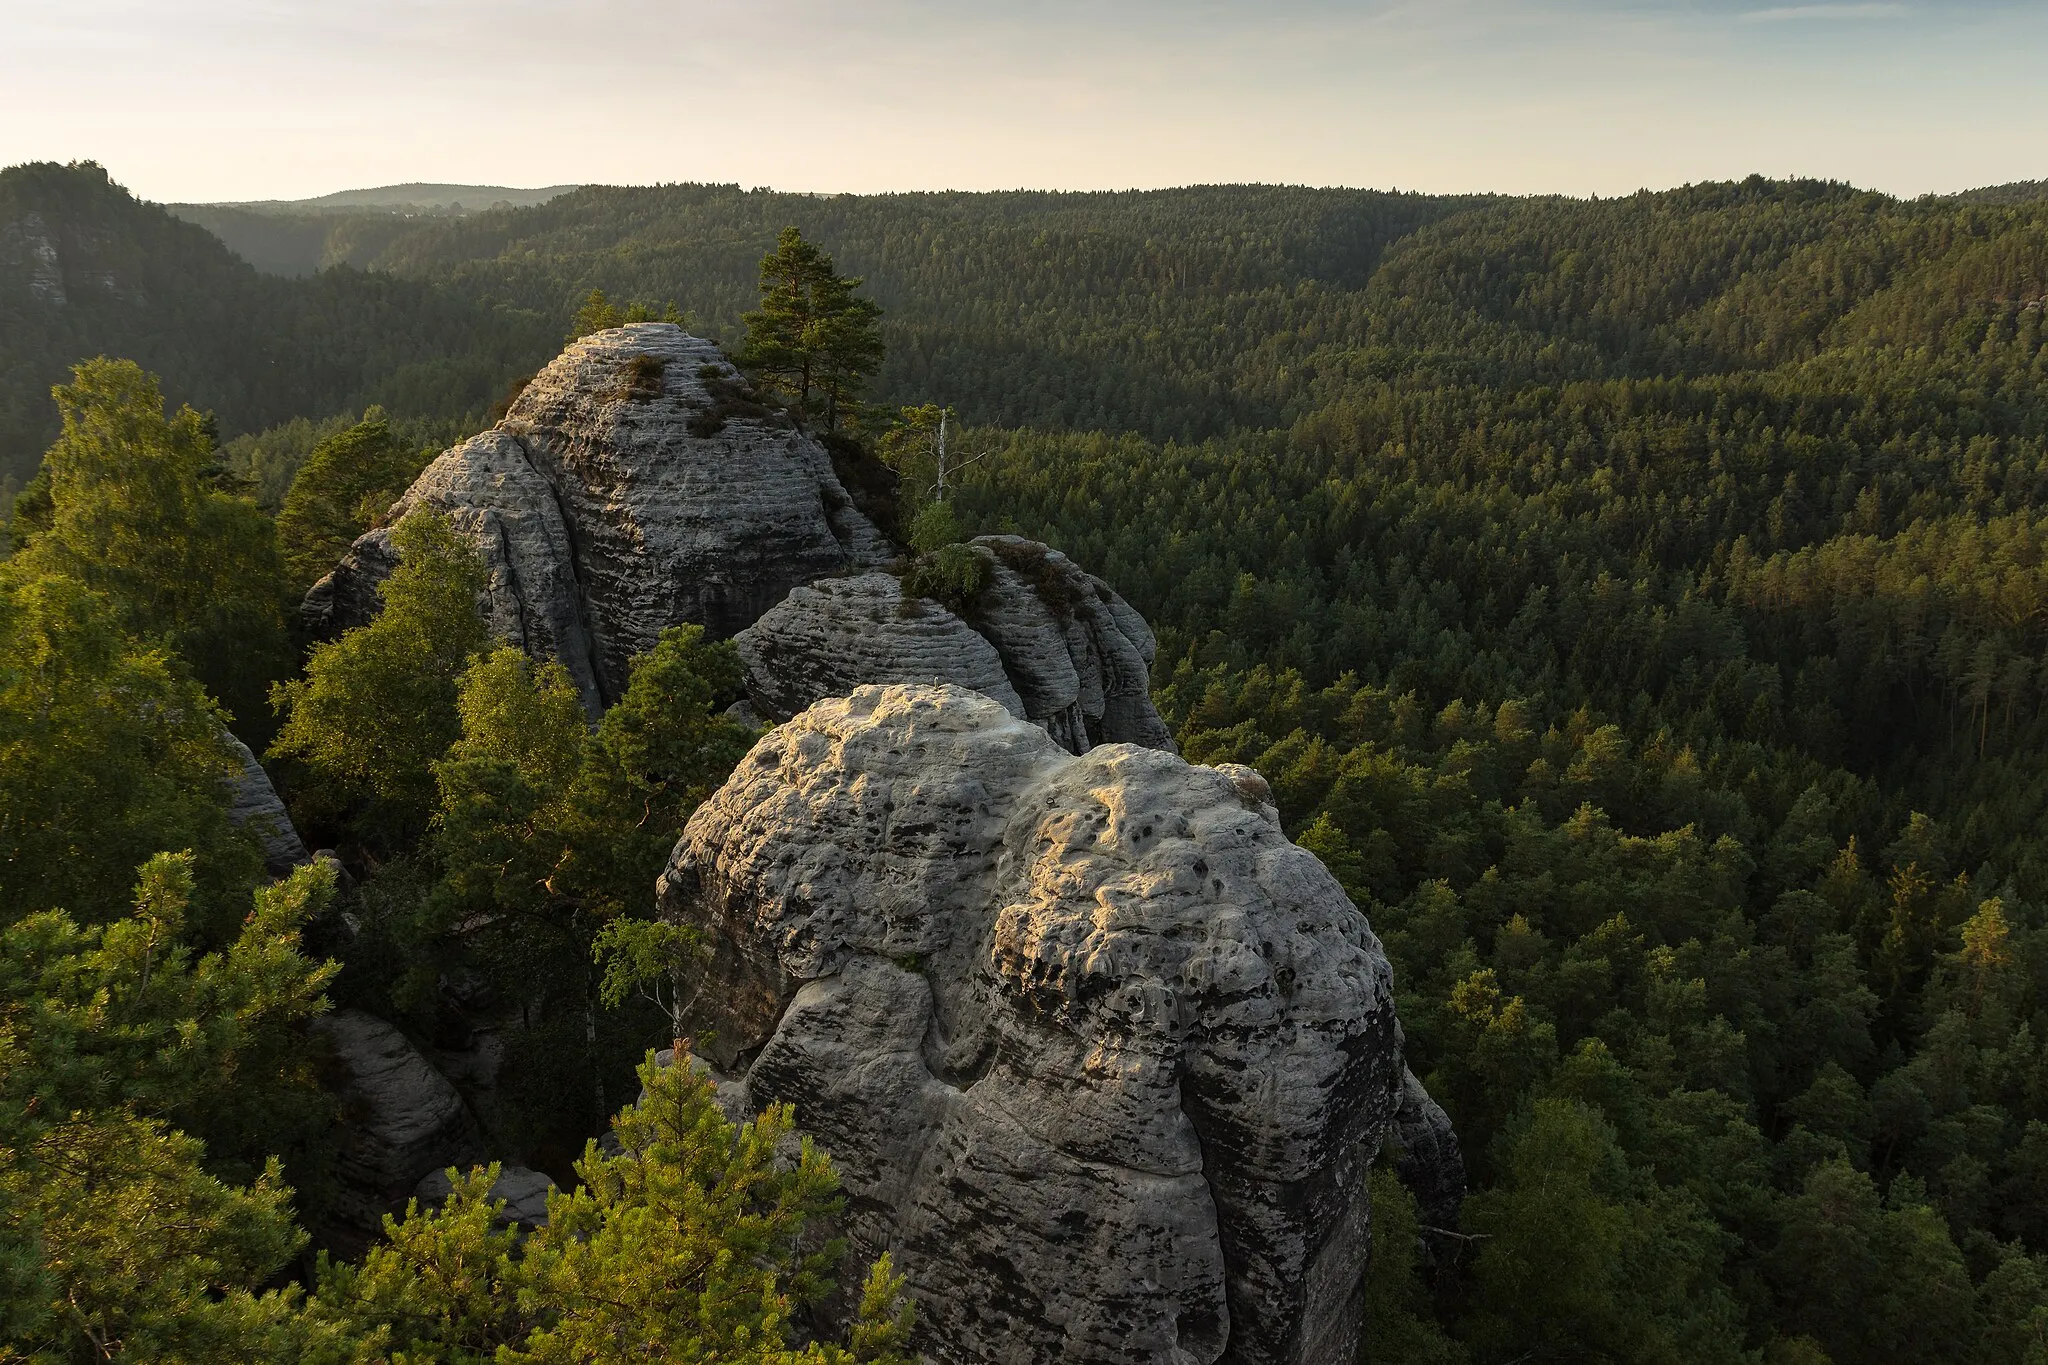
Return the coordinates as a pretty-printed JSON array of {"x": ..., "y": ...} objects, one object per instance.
[
  {"x": 1049, "y": 641},
  {"x": 1431, "y": 1164},
  {"x": 400, "y": 1119},
  {"x": 1079, "y": 655},
  {"x": 829, "y": 638},
  {"x": 253, "y": 804},
  {"x": 1100, "y": 1055},
  {"x": 635, "y": 484}
]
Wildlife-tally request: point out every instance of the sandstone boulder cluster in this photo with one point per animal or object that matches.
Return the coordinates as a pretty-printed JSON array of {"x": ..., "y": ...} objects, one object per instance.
[
  {"x": 637, "y": 484},
  {"x": 1102, "y": 1057}
]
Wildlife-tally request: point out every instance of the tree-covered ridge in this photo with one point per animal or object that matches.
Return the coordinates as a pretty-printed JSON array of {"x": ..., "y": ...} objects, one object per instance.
[{"x": 86, "y": 269}]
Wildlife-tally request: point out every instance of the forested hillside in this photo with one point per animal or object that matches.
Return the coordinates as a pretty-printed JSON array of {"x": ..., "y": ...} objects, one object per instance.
[
  {"x": 85, "y": 270},
  {"x": 1641, "y": 605}
]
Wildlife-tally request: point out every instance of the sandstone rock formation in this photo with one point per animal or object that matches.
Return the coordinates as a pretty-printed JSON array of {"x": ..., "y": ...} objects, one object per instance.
[
  {"x": 1432, "y": 1165},
  {"x": 1051, "y": 642},
  {"x": 1099, "y": 1053},
  {"x": 254, "y": 804},
  {"x": 829, "y": 638},
  {"x": 634, "y": 485},
  {"x": 400, "y": 1120}
]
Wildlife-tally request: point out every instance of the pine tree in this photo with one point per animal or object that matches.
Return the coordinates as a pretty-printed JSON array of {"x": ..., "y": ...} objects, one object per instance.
[{"x": 811, "y": 338}]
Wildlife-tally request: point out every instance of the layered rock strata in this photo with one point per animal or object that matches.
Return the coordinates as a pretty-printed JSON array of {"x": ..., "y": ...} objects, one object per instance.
[
  {"x": 401, "y": 1119},
  {"x": 1100, "y": 1055},
  {"x": 253, "y": 803},
  {"x": 633, "y": 485},
  {"x": 1051, "y": 642}
]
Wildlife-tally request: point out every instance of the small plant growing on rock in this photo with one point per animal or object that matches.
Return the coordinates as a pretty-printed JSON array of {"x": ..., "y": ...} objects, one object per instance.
[
  {"x": 643, "y": 374},
  {"x": 953, "y": 575}
]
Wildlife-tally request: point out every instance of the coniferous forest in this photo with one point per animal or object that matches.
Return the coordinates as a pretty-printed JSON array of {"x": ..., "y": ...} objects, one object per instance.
[{"x": 1640, "y": 605}]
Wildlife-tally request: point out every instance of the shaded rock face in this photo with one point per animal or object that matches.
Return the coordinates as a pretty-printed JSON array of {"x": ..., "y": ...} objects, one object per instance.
[
  {"x": 401, "y": 1119},
  {"x": 524, "y": 1193},
  {"x": 634, "y": 485},
  {"x": 253, "y": 803},
  {"x": 1049, "y": 641},
  {"x": 827, "y": 639},
  {"x": 1099, "y": 1053},
  {"x": 1432, "y": 1164}
]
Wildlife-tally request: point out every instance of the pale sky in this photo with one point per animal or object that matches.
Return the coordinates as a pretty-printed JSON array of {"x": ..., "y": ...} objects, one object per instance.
[{"x": 255, "y": 99}]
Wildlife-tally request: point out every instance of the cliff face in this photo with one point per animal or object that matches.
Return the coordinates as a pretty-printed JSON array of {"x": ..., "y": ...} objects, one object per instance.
[
  {"x": 638, "y": 484},
  {"x": 1099, "y": 1053}
]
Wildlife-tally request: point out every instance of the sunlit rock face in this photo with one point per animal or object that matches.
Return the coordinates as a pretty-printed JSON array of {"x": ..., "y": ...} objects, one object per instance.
[{"x": 1100, "y": 1054}]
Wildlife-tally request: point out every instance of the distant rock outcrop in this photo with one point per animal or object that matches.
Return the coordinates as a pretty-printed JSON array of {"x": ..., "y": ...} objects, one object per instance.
[
  {"x": 637, "y": 483},
  {"x": 1053, "y": 643},
  {"x": 1099, "y": 1053}
]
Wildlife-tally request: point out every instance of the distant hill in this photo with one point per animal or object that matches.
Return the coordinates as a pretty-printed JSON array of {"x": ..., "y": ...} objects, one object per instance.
[
  {"x": 348, "y": 227},
  {"x": 398, "y": 198},
  {"x": 87, "y": 269},
  {"x": 2018, "y": 192}
]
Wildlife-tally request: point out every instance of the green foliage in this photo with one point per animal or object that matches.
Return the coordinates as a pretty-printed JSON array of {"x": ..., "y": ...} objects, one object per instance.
[
  {"x": 346, "y": 486},
  {"x": 688, "y": 1245},
  {"x": 952, "y": 574},
  {"x": 377, "y": 708},
  {"x": 1636, "y": 603},
  {"x": 119, "y": 1235},
  {"x": 1585, "y": 1258},
  {"x": 134, "y": 510},
  {"x": 1400, "y": 1321},
  {"x": 108, "y": 754},
  {"x": 810, "y": 334},
  {"x": 599, "y": 314},
  {"x": 934, "y": 527},
  {"x": 547, "y": 839},
  {"x": 650, "y": 959}
]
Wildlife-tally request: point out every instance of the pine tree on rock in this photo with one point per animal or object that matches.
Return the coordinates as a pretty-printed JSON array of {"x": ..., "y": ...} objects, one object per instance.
[{"x": 811, "y": 338}]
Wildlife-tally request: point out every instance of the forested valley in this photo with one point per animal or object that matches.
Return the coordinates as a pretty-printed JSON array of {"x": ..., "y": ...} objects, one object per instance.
[{"x": 1640, "y": 605}]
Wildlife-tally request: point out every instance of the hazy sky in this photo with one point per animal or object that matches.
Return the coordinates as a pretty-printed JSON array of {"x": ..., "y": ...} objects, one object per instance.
[{"x": 244, "y": 99}]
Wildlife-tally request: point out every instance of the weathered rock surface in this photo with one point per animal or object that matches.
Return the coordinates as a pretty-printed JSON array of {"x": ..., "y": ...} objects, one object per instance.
[
  {"x": 635, "y": 485},
  {"x": 400, "y": 1120},
  {"x": 254, "y": 804},
  {"x": 829, "y": 638},
  {"x": 1099, "y": 1053},
  {"x": 632, "y": 486},
  {"x": 1080, "y": 656},
  {"x": 1432, "y": 1164},
  {"x": 1050, "y": 641}
]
